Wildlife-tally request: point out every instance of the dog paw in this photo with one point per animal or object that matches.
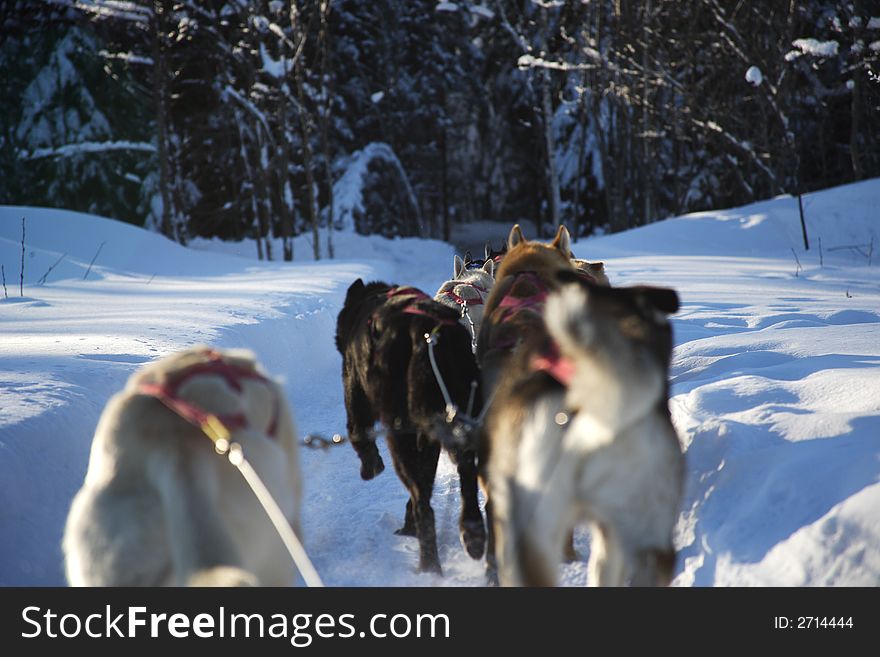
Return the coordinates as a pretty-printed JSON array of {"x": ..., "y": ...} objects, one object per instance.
[
  {"x": 371, "y": 465},
  {"x": 473, "y": 537},
  {"x": 405, "y": 531},
  {"x": 430, "y": 567}
]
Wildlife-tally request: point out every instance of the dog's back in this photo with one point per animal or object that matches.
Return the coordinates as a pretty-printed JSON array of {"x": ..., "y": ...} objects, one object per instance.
[
  {"x": 159, "y": 506},
  {"x": 513, "y": 310}
]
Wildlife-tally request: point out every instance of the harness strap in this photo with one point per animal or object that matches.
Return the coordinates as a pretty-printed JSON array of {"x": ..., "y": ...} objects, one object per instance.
[
  {"x": 168, "y": 393},
  {"x": 415, "y": 306},
  {"x": 511, "y": 304}
]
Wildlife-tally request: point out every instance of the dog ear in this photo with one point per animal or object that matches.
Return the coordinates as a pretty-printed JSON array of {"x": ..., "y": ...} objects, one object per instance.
[
  {"x": 515, "y": 237},
  {"x": 487, "y": 251},
  {"x": 598, "y": 267},
  {"x": 662, "y": 298},
  {"x": 457, "y": 266},
  {"x": 355, "y": 291},
  {"x": 562, "y": 241},
  {"x": 489, "y": 267}
]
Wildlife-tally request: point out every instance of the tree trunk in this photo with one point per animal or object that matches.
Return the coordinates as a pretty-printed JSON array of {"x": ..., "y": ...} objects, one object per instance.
[
  {"x": 578, "y": 183},
  {"x": 325, "y": 125},
  {"x": 647, "y": 163},
  {"x": 855, "y": 106},
  {"x": 307, "y": 159},
  {"x": 550, "y": 145},
  {"x": 159, "y": 81},
  {"x": 447, "y": 229},
  {"x": 282, "y": 173},
  {"x": 261, "y": 190}
]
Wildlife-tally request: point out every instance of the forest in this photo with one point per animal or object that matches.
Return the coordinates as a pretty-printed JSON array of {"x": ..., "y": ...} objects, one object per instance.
[{"x": 270, "y": 119}]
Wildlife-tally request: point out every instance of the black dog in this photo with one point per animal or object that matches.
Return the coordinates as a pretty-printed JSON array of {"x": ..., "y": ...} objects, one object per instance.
[{"x": 387, "y": 376}]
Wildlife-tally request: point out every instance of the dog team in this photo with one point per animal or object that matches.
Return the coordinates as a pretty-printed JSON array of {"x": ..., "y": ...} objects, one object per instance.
[{"x": 547, "y": 387}]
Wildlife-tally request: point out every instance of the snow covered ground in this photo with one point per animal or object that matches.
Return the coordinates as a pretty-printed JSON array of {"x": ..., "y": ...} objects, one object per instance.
[{"x": 776, "y": 381}]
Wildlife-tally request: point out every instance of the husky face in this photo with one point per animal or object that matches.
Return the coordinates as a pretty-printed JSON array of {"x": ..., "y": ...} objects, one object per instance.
[{"x": 468, "y": 285}]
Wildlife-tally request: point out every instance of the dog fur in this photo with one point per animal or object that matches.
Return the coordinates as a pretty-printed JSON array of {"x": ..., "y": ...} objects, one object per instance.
[
  {"x": 500, "y": 332},
  {"x": 503, "y": 333},
  {"x": 601, "y": 450},
  {"x": 387, "y": 377},
  {"x": 160, "y": 507},
  {"x": 471, "y": 285}
]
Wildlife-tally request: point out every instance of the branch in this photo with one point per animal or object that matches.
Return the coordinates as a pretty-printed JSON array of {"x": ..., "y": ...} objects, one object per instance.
[{"x": 87, "y": 147}]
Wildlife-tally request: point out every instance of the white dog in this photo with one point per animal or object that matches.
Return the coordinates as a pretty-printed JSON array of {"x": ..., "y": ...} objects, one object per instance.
[
  {"x": 470, "y": 286},
  {"x": 596, "y": 447},
  {"x": 159, "y": 506}
]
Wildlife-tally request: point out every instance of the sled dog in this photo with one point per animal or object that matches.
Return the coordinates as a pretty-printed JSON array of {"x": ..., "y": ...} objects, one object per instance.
[
  {"x": 593, "y": 443},
  {"x": 159, "y": 506}
]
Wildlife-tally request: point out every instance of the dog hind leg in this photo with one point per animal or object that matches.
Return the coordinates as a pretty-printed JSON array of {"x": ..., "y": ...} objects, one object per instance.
[
  {"x": 471, "y": 527},
  {"x": 653, "y": 567},
  {"x": 415, "y": 460},
  {"x": 359, "y": 421},
  {"x": 607, "y": 566},
  {"x": 203, "y": 552}
]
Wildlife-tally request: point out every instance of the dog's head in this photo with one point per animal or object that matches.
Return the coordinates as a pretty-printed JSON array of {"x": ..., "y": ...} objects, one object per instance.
[
  {"x": 463, "y": 269},
  {"x": 359, "y": 301},
  {"x": 620, "y": 341},
  {"x": 546, "y": 260},
  {"x": 495, "y": 256}
]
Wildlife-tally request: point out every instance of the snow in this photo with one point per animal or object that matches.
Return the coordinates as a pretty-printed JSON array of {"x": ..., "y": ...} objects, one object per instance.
[
  {"x": 446, "y": 6},
  {"x": 874, "y": 23},
  {"x": 276, "y": 68},
  {"x": 812, "y": 47},
  {"x": 482, "y": 10},
  {"x": 348, "y": 190},
  {"x": 128, "y": 57},
  {"x": 89, "y": 147},
  {"x": 775, "y": 381},
  {"x": 754, "y": 76},
  {"x": 376, "y": 97}
]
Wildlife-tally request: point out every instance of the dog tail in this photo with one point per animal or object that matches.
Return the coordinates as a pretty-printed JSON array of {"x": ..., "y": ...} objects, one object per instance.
[{"x": 202, "y": 550}]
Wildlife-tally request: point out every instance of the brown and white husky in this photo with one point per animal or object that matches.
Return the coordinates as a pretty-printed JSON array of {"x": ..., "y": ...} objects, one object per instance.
[{"x": 595, "y": 445}]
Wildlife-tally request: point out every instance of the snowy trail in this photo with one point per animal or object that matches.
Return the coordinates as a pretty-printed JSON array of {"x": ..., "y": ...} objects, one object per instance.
[{"x": 775, "y": 383}]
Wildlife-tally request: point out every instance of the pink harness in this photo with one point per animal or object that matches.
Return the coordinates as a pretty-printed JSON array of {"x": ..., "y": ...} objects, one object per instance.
[
  {"x": 555, "y": 364},
  {"x": 416, "y": 296},
  {"x": 168, "y": 392},
  {"x": 551, "y": 361},
  {"x": 535, "y": 303}
]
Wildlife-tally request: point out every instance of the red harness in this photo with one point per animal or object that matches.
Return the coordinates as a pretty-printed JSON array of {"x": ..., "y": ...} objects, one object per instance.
[
  {"x": 168, "y": 392},
  {"x": 415, "y": 305},
  {"x": 551, "y": 360},
  {"x": 555, "y": 364},
  {"x": 512, "y": 305}
]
